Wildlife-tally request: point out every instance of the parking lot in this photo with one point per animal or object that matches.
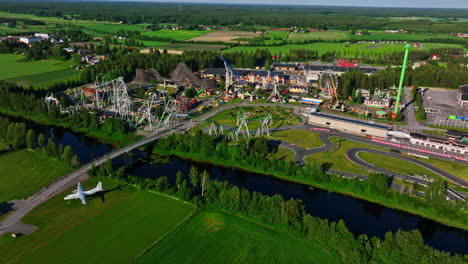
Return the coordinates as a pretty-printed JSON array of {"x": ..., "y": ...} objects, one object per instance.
[{"x": 443, "y": 102}]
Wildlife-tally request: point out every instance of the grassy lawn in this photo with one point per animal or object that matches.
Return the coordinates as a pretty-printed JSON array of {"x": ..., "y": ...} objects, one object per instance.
[
  {"x": 110, "y": 230},
  {"x": 25, "y": 172},
  {"x": 302, "y": 138},
  {"x": 179, "y": 46},
  {"x": 176, "y": 34},
  {"x": 338, "y": 160},
  {"x": 397, "y": 165},
  {"x": 217, "y": 237},
  {"x": 10, "y": 67},
  {"x": 284, "y": 153}
]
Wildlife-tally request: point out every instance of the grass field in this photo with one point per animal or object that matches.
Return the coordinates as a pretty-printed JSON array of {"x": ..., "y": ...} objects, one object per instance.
[
  {"x": 216, "y": 237},
  {"x": 11, "y": 67},
  {"x": 336, "y": 160},
  {"x": 25, "y": 172},
  {"x": 402, "y": 36},
  {"x": 327, "y": 35},
  {"x": 40, "y": 78},
  {"x": 428, "y": 46},
  {"x": 397, "y": 165},
  {"x": 302, "y": 138},
  {"x": 110, "y": 230},
  {"x": 176, "y": 34}
]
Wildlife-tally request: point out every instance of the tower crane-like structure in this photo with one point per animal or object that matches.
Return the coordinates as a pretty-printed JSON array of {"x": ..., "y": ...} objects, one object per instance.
[{"x": 402, "y": 78}]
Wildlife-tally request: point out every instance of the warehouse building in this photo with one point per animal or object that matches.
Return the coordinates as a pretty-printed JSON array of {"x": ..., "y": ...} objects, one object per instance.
[
  {"x": 348, "y": 125},
  {"x": 462, "y": 95}
]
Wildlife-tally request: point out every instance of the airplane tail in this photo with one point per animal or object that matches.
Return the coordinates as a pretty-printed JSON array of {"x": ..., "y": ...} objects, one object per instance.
[{"x": 99, "y": 187}]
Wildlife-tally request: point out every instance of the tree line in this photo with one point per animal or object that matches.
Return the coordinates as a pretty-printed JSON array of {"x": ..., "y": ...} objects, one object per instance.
[{"x": 18, "y": 136}]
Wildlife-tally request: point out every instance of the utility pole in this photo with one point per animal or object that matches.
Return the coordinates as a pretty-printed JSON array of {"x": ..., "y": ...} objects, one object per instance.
[{"x": 402, "y": 77}]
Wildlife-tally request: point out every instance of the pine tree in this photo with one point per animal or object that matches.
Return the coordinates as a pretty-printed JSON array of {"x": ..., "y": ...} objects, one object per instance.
[
  {"x": 31, "y": 139},
  {"x": 67, "y": 154},
  {"x": 41, "y": 141}
]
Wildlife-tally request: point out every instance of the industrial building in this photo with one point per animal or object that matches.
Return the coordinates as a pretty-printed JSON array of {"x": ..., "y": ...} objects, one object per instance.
[
  {"x": 462, "y": 95},
  {"x": 348, "y": 125},
  {"x": 289, "y": 67}
]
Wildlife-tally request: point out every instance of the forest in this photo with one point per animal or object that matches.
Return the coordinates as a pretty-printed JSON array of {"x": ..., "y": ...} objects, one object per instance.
[{"x": 191, "y": 15}]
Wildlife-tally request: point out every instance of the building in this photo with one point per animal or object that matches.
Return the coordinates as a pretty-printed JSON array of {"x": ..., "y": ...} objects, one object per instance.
[
  {"x": 41, "y": 35},
  {"x": 377, "y": 100},
  {"x": 289, "y": 67},
  {"x": 250, "y": 76},
  {"x": 310, "y": 70},
  {"x": 29, "y": 40},
  {"x": 348, "y": 125},
  {"x": 462, "y": 95},
  {"x": 438, "y": 143}
]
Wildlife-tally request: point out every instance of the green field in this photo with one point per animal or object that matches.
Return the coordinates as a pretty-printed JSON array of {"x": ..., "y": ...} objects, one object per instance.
[
  {"x": 40, "y": 78},
  {"x": 302, "y": 138},
  {"x": 11, "y": 67},
  {"x": 216, "y": 237},
  {"x": 347, "y": 50},
  {"x": 112, "y": 229},
  {"x": 397, "y": 165},
  {"x": 336, "y": 160},
  {"x": 402, "y": 36},
  {"x": 327, "y": 35},
  {"x": 179, "y": 35},
  {"x": 25, "y": 172},
  {"x": 428, "y": 46}
]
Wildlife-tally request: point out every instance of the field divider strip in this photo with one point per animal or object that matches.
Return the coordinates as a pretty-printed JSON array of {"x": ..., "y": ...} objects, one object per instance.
[{"x": 165, "y": 235}]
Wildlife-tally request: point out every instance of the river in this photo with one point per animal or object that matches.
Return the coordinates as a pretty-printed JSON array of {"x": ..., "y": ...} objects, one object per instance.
[{"x": 360, "y": 216}]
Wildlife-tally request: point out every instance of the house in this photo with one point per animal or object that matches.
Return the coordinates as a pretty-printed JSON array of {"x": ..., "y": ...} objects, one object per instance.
[
  {"x": 358, "y": 34},
  {"x": 68, "y": 50},
  {"x": 462, "y": 95},
  {"x": 23, "y": 26},
  {"x": 460, "y": 35},
  {"x": 378, "y": 100},
  {"x": 29, "y": 40},
  {"x": 435, "y": 57},
  {"x": 83, "y": 52},
  {"x": 285, "y": 67}
]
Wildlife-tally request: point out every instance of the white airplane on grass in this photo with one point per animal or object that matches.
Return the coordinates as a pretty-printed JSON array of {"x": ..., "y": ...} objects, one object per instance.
[{"x": 79, "y": 193}]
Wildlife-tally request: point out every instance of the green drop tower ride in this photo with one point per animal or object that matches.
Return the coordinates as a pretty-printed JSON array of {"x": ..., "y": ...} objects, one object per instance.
[{"x": 402, "y": 77}]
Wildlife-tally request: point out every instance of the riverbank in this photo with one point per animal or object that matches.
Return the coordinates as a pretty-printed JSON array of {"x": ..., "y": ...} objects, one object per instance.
[
  {"x": 335, "y": 183},
  {"x": 118, "y": 140}
]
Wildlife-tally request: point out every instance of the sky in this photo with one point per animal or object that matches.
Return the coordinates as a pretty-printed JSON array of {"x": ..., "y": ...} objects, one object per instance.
[{"x": 374, "y": 3}]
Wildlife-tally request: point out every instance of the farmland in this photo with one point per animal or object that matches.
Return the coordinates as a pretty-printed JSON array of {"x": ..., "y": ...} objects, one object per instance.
[
  {"x": 323, "y": 47},
  {"x": 327, "y": 35},
  {"x": 224, "y": 36},
  {"x": 41, "y": 78},
  {"x": 179, "y": 46},
  {"x": 36, "y": 170},
  {"x": 179, "y": 35},
  {"x": 216, "y": 237},
  {"x": 13, "y": 67},
  {"x": 124, "y": 221}
]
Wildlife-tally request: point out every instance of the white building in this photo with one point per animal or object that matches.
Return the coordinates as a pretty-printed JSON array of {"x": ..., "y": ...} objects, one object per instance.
[
  {"x": 41, "y": 35},
  {"x": 29, "y": 40}
]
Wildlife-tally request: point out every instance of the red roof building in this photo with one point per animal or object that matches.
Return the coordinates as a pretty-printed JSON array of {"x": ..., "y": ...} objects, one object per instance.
[{"x": 347, "y": 64}]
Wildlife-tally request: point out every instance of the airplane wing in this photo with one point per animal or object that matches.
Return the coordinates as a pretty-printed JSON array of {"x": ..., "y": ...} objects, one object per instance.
[
  {"x": 80, "y": 189},
  {"x": 82, "y": 197}
]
